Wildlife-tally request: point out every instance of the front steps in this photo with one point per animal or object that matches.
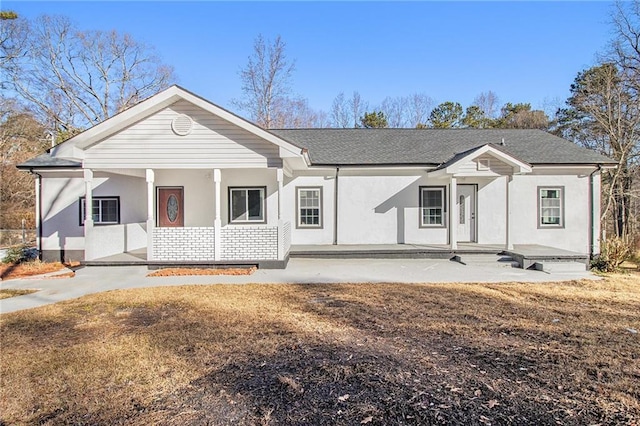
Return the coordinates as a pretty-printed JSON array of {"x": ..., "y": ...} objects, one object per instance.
[
  {"x": 489, "y": 260},
  {"x": 559, "y": 266},
  {"x": 506, "y": 261}
]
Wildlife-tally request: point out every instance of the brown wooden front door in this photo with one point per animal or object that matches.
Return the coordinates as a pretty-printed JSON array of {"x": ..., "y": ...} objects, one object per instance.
[{"x": 170, "y": 206}]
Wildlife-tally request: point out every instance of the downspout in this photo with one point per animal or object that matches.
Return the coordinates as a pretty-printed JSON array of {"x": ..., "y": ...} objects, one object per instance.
[
  {"x": 39, "y": 213},
  {"x": 335, "y": 209},
  {"x": 592, "y": 219}
]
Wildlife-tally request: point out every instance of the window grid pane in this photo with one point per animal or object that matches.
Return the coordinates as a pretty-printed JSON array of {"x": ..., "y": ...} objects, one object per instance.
[
  {"x": 551, "y": 207},
  {"x": 103, "y": 210},
  {"x": 432, "y": 206},
  {"x": 309, "y": 207}
]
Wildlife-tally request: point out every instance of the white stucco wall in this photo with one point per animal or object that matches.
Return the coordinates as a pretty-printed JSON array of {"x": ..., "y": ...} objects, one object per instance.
[
  {"x": 491, "y": 210},
  {"x": 383, "y": 208},
  {"x": 61, "y": 192},
  {"x": 574, "y": 235},
  {"x": 326, "y": 181}
]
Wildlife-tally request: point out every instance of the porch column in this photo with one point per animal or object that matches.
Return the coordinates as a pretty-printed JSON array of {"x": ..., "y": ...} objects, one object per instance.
[
  {"x": 508, "y": 245},
  {"x": 38, "y": 182},
  {"x": 88, "y": 214},
  {"x": 150, "y": 175},
  {"x": 217, "y": 221},
  {"x": 453, "y": 224},
  {"x": 280, "y": 179}
]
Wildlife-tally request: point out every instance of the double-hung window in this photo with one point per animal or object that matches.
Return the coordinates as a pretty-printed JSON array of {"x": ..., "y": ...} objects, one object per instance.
[
  {"x": 551, "y": 207},
  {"x": 247, "y": 205},
  {"x": 309, "y": 202},
  {"x": 432, "y": 206},
  {"x": 104, "y": 210}
]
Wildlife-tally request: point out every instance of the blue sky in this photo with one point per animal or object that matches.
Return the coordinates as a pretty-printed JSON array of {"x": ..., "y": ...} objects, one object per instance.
[{"x": 522, "y": 51}]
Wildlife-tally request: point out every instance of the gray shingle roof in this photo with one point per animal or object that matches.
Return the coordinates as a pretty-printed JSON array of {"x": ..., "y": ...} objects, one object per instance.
[
  {"x": 432, "y": 146},
  {"x": 47, "y": 161}
]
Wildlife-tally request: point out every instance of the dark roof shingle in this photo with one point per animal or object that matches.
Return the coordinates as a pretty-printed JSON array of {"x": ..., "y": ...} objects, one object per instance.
[
  {"x": 432, "y": 146},
  {"x": 47, "y": 161}
]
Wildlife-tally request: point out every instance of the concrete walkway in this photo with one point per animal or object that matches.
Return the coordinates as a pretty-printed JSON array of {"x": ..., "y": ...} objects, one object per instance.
[{"x": 96, "y": 279}]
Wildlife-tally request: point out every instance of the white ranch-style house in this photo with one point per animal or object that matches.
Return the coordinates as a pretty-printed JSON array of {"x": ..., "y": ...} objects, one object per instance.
[{"x": 177, "y": 179}]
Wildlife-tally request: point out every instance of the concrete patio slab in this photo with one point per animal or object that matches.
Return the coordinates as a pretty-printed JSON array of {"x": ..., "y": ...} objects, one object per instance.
[{"x": 95, "y": 279}]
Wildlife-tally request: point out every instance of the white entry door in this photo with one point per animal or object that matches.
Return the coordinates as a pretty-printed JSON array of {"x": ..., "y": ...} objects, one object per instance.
[{"x": 466, "y": 204}]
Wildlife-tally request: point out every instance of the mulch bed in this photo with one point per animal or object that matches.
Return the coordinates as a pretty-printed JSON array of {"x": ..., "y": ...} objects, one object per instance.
[
  {"x": 172, "y": 272},
  {"x": 27, "y": 269}
]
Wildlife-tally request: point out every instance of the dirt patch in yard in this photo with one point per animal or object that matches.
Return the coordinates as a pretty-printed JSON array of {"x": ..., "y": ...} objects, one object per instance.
[{"x": 454, "y": 354}]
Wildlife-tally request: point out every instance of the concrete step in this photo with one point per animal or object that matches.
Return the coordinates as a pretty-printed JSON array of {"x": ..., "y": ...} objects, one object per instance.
[
  {"x": 559, "y": 266},
  {"x": 498, "y": 260}
]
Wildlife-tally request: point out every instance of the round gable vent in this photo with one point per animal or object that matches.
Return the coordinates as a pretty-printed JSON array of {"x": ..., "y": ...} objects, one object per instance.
[{"x": 182, "y": 125}]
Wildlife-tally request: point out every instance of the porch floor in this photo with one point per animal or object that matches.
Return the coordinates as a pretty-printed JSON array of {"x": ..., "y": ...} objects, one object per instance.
[
  {"x": 391, "y": 249},
  {"x": 526, "y": 254}
]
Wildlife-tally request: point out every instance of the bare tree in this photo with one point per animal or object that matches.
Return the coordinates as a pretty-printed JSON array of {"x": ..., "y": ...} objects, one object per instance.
[
  {"x": 266, "y": 81},
  {"x": 75, "y": 78},
  {"x": 395, "y": 110},
  {"x": 13, "y": 38},
  {"x": 419, "y": 106},
  {"x": 357, "y": 107},
  {"x": 21, "y": 137},
  {"x": 488, "y": 103},
  {"x": 340, "y": 112},
  {"x": 295, "y": 113}
]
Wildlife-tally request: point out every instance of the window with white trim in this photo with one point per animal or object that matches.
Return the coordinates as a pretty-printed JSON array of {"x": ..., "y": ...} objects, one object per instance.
[
  {"x": 551, "y": 207},
  {"x": 432, "y": 206},
  {"x": 104, "y": 210},
  {"x": 309, "y": 202},
  {"x": 247, "y": 205}
]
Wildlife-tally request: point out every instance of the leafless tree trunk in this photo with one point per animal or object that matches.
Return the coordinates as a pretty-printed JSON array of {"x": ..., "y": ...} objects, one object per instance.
[
  {"x": 340, "y": 112},
  {"x": 488, "y": 102},
  {"x": 295, "y": 113},
  {"x": 419, "y": 107},
  {"x": 395, "y": 110},
  {"x": 21, "y": 137},
  {"x": 357, "y": 107},
  {"x": 266, "y": 81},
  {"x": 76, "y": 79}
]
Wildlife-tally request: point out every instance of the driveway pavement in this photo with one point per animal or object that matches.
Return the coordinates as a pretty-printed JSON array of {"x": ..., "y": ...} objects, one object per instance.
[{"x": 97, "y": 279}]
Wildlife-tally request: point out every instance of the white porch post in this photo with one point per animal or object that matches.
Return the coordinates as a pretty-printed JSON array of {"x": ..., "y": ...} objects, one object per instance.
[
  {"x": 453, "y": 224},
  {"x": 508, "y": 244},
  {"x": 217, "y": 222},
  {"x": 150, "y": 176},
  {"x": 88, "y": 214},
  {"x": 38, "y": 218},
  {"x": 280, "y": 178}
]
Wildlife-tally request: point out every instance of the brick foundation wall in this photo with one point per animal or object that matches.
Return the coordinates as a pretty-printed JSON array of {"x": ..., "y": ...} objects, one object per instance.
[
  {"x": 249, "y": 243},
  {"x": 195, "y": 243}
]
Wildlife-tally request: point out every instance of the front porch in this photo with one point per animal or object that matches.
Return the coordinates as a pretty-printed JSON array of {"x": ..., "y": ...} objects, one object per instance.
[{"x": 525, "y": 255}]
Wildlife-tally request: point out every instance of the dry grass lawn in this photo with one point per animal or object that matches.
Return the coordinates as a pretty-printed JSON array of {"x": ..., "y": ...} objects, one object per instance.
[
  {"x": 6, "y": 293},
  {"x": 462, "y": 354}
]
